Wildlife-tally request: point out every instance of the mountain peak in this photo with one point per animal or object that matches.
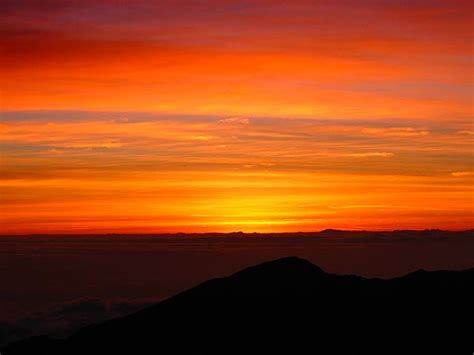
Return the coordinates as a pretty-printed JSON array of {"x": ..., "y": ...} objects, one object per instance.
[{"x": 288, "y": 266}]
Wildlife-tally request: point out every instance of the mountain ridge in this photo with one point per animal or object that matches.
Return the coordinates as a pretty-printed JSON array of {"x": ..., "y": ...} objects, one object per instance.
[{"x": 289, "y": 304}]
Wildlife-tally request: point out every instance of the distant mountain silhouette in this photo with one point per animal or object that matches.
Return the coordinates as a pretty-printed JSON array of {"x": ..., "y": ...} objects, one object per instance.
[{"x": 290, "y": 306}]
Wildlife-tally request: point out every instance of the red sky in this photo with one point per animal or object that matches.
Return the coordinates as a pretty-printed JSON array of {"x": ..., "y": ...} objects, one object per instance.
[{"x": 132, "y": 116}]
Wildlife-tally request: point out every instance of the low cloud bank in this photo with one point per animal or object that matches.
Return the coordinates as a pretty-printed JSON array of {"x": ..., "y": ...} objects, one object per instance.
[{"x": 62, "y": 320}]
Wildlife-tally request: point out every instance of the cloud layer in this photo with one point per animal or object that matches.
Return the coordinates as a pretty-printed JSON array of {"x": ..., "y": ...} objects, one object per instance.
[
  {"x": 62, "y": 320},
  {"x": 132, "y": 172},
  {"x": 299, "y": 58}
]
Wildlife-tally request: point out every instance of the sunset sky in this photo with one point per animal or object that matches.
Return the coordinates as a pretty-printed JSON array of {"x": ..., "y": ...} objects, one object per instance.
[{"x": 272, "y": 115}]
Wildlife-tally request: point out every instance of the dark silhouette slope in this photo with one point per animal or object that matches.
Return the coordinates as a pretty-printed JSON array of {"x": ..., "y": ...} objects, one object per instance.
[{"x": 290, "y": 306}]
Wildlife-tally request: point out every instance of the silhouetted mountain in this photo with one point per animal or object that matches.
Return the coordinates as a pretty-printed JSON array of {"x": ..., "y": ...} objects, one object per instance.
[{"x": 290, "y": 306}]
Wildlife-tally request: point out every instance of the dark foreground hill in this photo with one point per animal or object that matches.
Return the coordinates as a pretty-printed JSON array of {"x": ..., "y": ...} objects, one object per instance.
[{"x": 290, "y": 306}]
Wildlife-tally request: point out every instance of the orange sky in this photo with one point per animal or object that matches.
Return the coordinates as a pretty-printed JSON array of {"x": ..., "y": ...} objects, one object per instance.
[{"x": 152, "y": 116}]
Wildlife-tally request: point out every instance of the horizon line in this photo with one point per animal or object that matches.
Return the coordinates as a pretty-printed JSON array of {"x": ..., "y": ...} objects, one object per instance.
[{"x": 241, "y": 232}]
